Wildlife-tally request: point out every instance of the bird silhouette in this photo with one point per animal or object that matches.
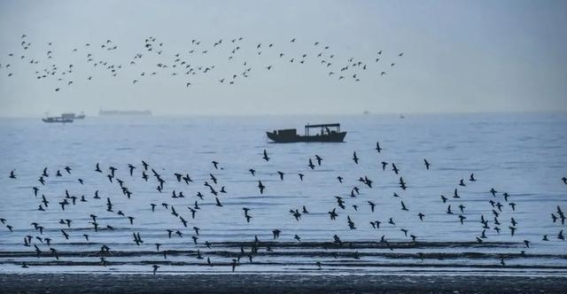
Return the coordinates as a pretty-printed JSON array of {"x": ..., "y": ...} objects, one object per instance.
[
  {"x": 456, "y": 194},
  {"x": 332, "y": 214},
  {"x": 472, "y": 178},
  {"x": 378, "y": 147},
  {"x": 404, "y": 206},
  {"x": 319, "y": 159},
  {"x": 355, "y": 158},
  {"x": 372, "y": 205},
  {"x": 311, "y": 165},
  {"x": 402, "y": 184},
  {"x": 261, "y": 187},
  {"x": 276, "y": 233},
  {"x": 394, "y": 168}
]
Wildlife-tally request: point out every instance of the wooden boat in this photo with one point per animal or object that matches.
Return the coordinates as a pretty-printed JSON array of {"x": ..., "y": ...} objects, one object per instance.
[{"x": 323, "y": 133}]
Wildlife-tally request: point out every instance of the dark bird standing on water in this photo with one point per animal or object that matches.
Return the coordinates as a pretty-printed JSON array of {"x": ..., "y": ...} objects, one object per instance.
[
  {"x": 155, "y": 266},
  {"x": 276, "y": 233}
]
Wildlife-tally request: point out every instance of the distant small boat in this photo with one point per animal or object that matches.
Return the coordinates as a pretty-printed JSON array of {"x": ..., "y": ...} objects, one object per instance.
[
  {"x": 328, "y": 133},
  {"x": 57, "y": 119}
]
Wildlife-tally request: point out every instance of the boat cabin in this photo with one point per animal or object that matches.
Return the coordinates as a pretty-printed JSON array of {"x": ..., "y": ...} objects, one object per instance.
[{"x": 325, "y": 129}]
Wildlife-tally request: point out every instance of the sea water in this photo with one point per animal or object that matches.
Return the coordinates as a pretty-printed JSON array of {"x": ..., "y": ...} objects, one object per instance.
[{"x": 524, "y": 155}]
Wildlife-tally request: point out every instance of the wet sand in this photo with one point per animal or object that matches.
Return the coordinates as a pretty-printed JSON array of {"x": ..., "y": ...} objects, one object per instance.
[{"x": 276, "y": 283}]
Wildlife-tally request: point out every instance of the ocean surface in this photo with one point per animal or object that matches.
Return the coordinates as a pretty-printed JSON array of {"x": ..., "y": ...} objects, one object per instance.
[{"x": 523, "y": 155}]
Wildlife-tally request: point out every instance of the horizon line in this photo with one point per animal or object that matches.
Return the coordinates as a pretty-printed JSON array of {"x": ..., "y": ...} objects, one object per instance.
[{"x": 363, "y": 113}]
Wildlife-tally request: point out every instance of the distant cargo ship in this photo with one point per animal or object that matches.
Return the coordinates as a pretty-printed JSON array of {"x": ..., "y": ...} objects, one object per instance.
[
  {"x": 71, "y": 115},
  {"x": 124, "y": 113}
]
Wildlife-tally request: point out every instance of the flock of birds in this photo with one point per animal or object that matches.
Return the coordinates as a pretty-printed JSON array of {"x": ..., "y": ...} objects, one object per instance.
[
  {"x": 242, "y": 59},
  {"x": 499, "y": 217}
]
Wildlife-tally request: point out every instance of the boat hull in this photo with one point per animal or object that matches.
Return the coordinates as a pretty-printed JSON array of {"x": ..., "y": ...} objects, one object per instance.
[
  {"x": 56, "y": 120},
  {"x": 335, "y": 137}
]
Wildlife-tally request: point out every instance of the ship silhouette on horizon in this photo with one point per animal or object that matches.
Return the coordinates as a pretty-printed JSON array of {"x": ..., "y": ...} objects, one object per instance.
[{"x": 327, "y": 133}]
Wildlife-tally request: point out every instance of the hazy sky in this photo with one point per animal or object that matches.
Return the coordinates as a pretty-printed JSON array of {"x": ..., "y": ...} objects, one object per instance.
[{"x": 458, "y": 56}]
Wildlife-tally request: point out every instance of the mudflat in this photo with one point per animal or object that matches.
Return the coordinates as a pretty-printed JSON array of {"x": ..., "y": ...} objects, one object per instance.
[{"x": 276, "y": 283}]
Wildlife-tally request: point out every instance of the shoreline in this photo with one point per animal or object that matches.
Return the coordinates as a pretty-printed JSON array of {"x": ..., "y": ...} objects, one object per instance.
[{"x": 279, "y": 283}]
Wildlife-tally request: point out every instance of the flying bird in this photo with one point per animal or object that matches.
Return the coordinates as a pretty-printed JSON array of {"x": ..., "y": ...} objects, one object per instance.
[
  {"x": 311, "y": 164},
  {"x": 426, "y": 164},
  {"x": 261, "y": 187},
  {"x": 355, "y": 158}
]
